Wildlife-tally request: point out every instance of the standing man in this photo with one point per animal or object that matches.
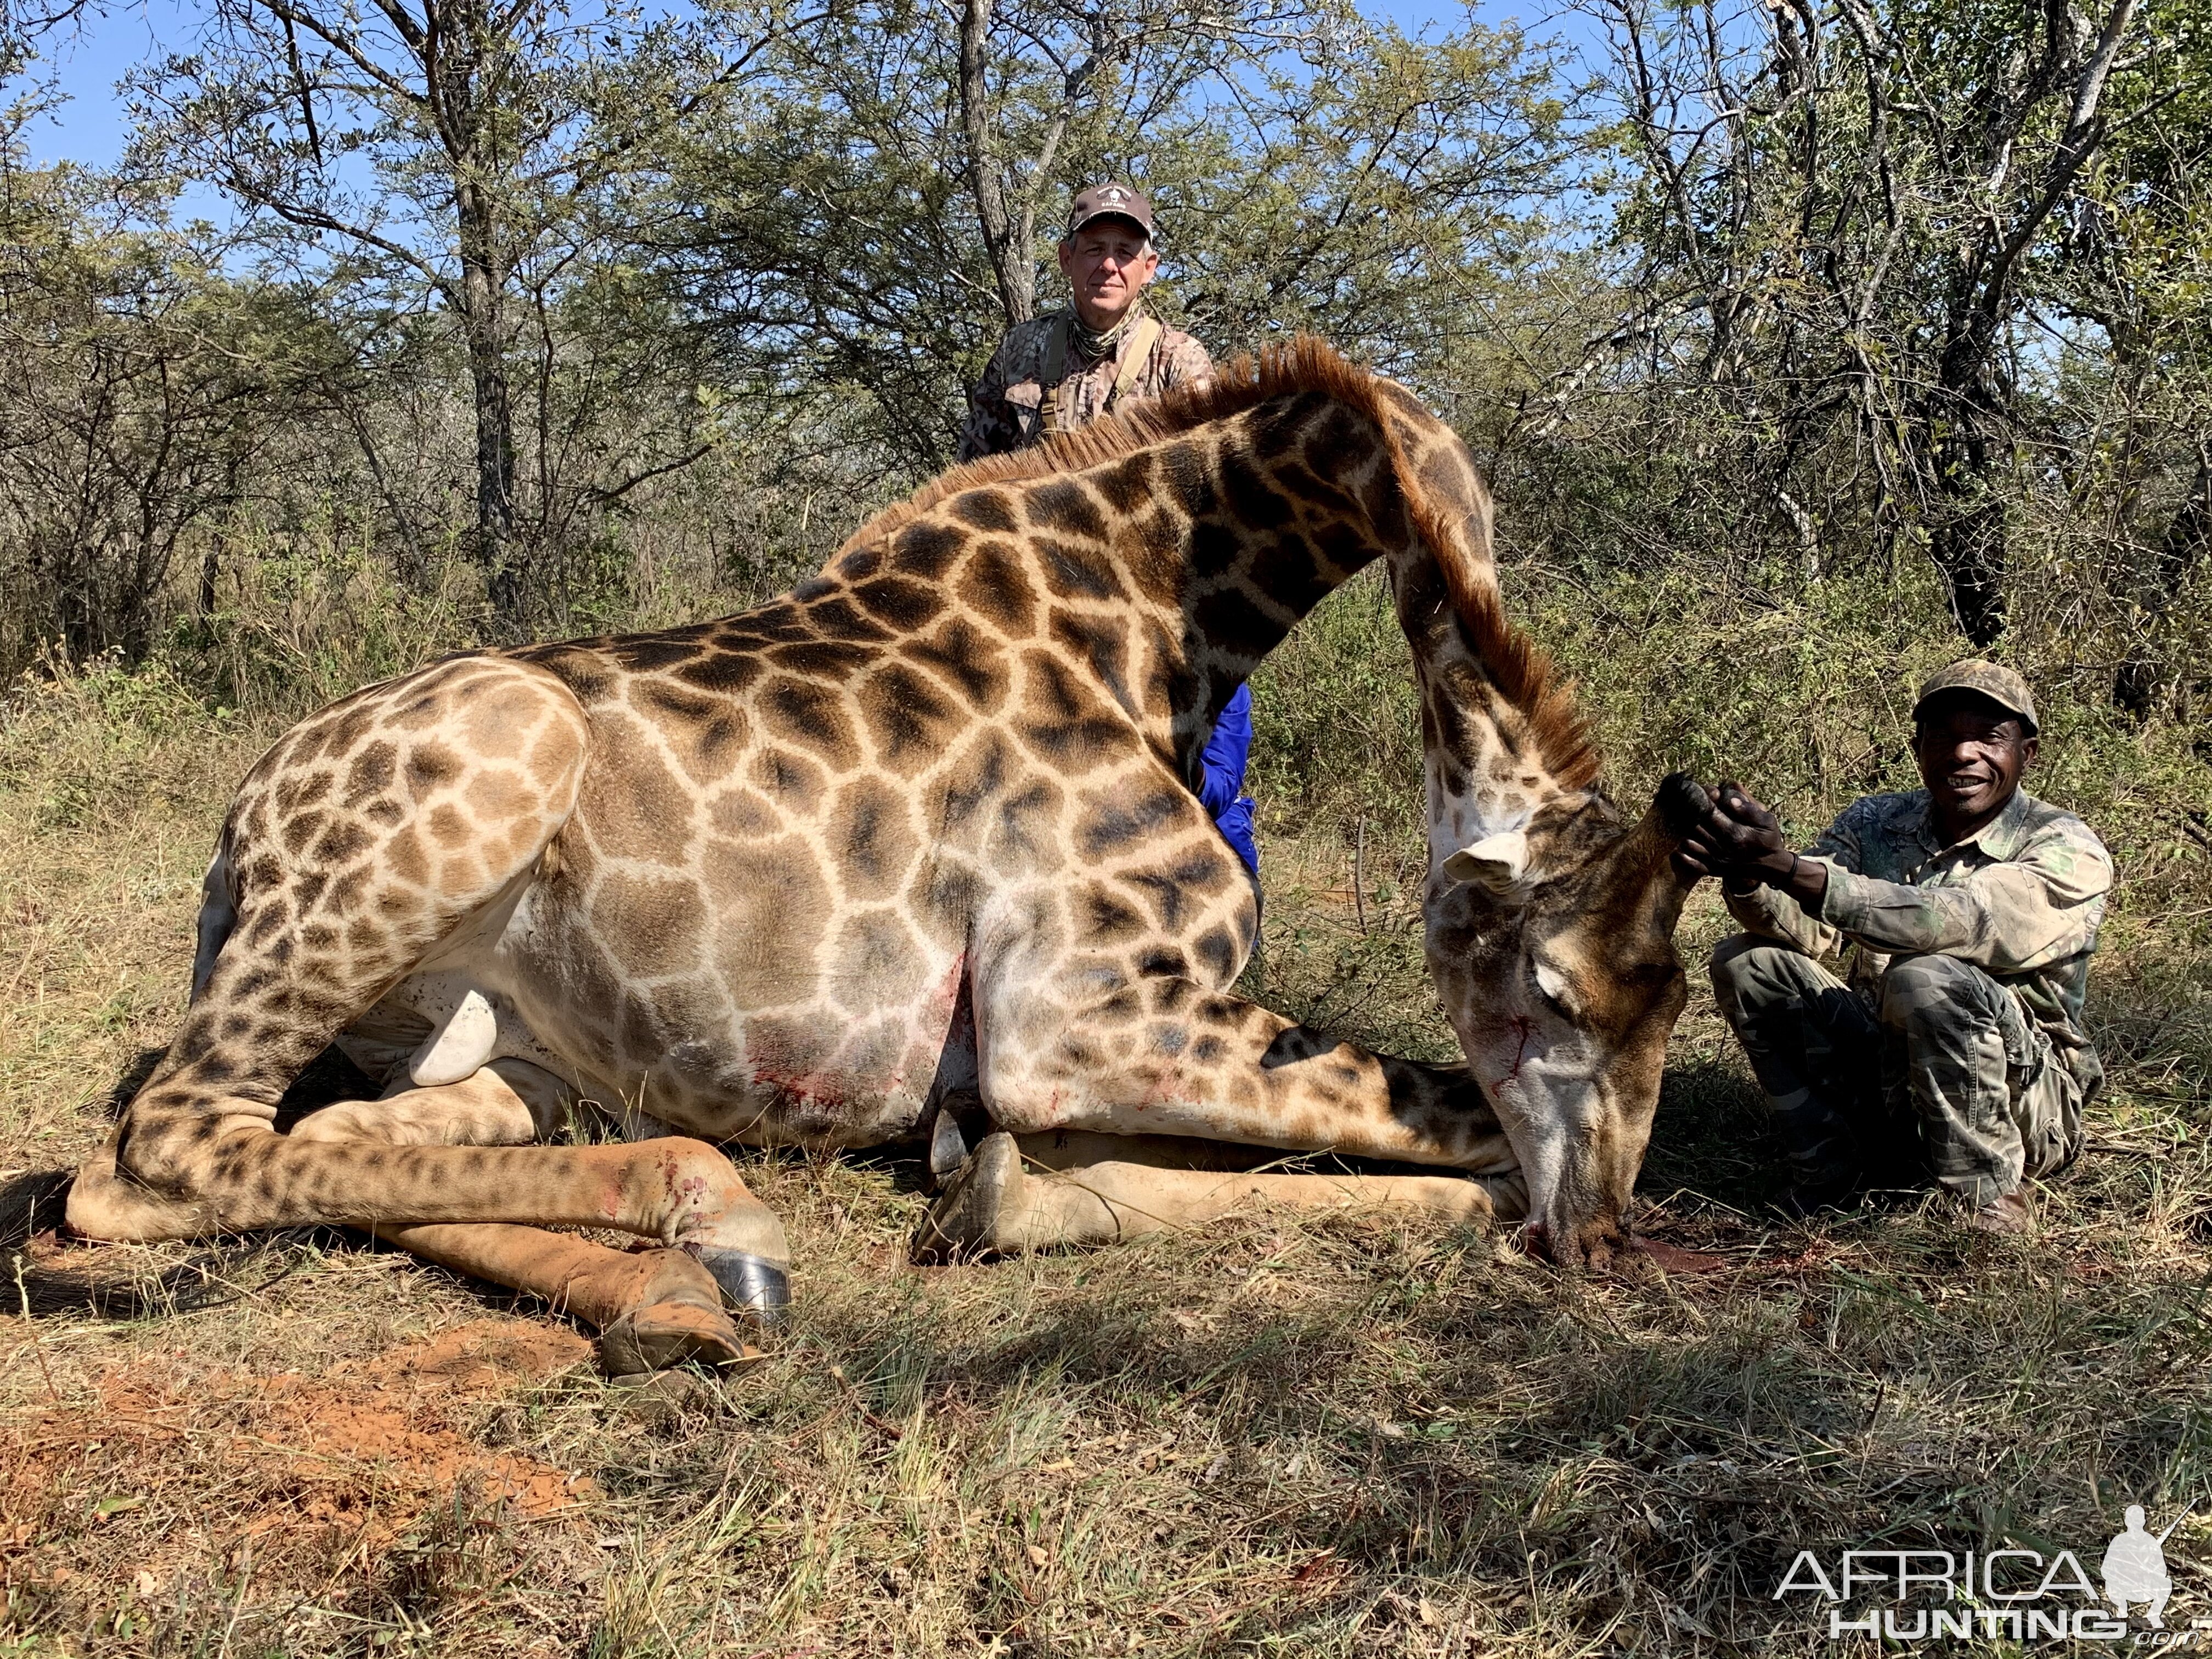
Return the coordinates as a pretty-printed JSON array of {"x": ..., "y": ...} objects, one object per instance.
[
  {"x": 1955, "y": 1044},
  {"x": 1105, "y": 352},
  {"x": 1066, "y": 368}
]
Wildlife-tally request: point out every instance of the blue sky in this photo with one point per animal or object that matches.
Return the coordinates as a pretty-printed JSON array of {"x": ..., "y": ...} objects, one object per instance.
[{"x": 93, "y": 127}]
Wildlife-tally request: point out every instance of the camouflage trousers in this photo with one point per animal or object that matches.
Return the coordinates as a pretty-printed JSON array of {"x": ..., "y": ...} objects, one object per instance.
[{"x": 1941, "y": 1073}]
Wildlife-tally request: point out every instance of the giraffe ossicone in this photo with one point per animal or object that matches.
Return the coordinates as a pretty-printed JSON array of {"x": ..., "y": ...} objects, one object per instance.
[{"x": 920, "y": 835}]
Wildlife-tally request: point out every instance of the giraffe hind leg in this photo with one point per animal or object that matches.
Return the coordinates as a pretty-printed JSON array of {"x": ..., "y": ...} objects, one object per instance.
[
  {"x": 366, "y": 837},
  {"x": 512, "y": 1102},
  {"x": 99, "y": 1202},
  {"x": 360, "y": 845},
  {"x": 654, "y": 1308},
  {"x": 505, "y": 1103}
]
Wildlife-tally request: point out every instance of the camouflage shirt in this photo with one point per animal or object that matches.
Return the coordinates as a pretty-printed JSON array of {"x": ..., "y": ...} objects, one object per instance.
[
  {"x": 1007, "y": 411},
  {"x": 2021, "y": 898}
]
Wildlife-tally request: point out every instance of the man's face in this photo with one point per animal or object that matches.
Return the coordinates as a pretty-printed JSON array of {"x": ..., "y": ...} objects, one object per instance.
[
  {"x": 1971, "y": 754},
  {"x": 1107, "y": 264}
]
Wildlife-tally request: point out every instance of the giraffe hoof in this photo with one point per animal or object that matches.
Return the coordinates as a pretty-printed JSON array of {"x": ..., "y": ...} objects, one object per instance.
[
  {"x": 671, "y": 1333},
  {"x": 965, "y": 1222},
  {"x": 750, "y": 1284},
  {"x": 676, "y": 1319}
]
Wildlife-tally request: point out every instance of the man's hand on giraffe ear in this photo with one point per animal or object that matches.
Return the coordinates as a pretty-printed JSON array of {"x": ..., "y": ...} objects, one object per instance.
[
  {"x": 1737, "y": 840},
  {"x": 1689, "y": 804}
]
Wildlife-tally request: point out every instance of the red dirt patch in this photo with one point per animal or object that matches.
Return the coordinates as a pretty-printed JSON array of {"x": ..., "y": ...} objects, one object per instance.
[
  {"x": 1674, "y": 1259},
  {"x": 345, "y": 1463}
]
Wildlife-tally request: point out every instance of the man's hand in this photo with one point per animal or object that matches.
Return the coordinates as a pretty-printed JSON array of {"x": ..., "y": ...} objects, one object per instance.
[{"x": 1739, "y": 841}]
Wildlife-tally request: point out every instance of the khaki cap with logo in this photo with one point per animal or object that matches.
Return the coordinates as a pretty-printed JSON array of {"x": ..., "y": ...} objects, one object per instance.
[
  {"x": 1992, "y": 680},
  {"x": 1110, "y": 201}
]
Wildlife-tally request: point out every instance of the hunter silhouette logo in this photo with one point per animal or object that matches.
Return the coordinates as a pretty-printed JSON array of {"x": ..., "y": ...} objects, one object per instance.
[
  {"x": 2020, "y": 1593},
  {"x": 2135, "y": 1567}
]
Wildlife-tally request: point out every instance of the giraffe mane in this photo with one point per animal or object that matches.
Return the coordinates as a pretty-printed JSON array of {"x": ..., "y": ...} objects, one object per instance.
[{"x": 1522, "y": 670}]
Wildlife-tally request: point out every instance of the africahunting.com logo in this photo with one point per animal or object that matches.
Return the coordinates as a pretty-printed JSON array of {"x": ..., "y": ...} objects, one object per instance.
[{"x": 2016, "y": 1594}]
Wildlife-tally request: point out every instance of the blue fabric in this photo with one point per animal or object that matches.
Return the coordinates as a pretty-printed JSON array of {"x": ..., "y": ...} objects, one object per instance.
[
  {"x": 1236, "y": 827},
  {"x": 1222, "y": 786}
]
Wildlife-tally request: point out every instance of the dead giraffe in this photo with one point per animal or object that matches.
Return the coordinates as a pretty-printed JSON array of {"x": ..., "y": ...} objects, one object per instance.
[{"x": 920, "y": 831}]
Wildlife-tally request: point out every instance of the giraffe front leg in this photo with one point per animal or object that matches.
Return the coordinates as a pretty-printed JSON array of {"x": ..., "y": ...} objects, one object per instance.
[
  {"x": 1008, "y": 1198},
  {"x": 1169, "y": 1056}
]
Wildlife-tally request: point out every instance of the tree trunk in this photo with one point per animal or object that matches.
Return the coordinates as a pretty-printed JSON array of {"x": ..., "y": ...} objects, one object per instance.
[
  {"x": 460, "y": 72},
  {"x": 210, "y": 568},
  {"x": 1005, "y": 243},
  {"x": 1969, "y": 543},
  {"x": 482, "y": 288},
  {"x": 2187, "y": 541},
  {"x": 1969, "y": 547}
]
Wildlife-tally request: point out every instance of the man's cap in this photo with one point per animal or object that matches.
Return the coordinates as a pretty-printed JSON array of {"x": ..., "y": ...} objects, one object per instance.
[
  {"x": 1110, "y": 201},
  {"x": 1992, "y": 680}
]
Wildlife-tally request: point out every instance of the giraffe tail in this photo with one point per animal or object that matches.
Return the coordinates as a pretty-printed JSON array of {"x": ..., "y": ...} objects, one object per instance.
[
  {"x": 218, "y": 913},
  {"x": 31, "y": 1207}
]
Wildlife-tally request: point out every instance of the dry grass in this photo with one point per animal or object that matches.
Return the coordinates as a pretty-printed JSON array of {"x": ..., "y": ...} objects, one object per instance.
[{"x": 1357, "y": 1438}]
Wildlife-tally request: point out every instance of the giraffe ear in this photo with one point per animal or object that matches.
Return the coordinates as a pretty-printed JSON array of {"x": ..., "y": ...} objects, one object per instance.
[{"x": 1497, "y": 863}]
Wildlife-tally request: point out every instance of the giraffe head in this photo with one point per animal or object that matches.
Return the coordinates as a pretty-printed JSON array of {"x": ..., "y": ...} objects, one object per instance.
[
  {"x": 1551, "y": 917},
  {"x": 1553, "y": 945}
]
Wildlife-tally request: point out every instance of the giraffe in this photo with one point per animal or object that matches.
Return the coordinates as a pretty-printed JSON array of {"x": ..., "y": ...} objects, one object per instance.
[{"x": 921, "y": 832}]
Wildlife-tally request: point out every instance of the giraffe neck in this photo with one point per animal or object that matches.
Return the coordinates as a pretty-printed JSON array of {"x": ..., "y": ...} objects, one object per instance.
[
  {"x": 1172, "y": 569},
  {"x": 1281, "y": 510},
  {"x": 1170, "y": 553}
]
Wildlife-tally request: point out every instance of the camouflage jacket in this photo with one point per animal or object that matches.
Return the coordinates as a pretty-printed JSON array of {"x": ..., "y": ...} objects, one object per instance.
[
  {"x": 1007, "y": 411},
  {"x": 2021, "y": 898}
]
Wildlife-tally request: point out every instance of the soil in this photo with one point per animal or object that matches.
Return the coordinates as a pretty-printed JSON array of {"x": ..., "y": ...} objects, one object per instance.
[{"x": 353, "y": 1461}]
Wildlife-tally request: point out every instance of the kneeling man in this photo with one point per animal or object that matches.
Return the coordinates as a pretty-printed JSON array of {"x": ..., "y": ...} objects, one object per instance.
[{"x": 1953, "y": 1045}]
